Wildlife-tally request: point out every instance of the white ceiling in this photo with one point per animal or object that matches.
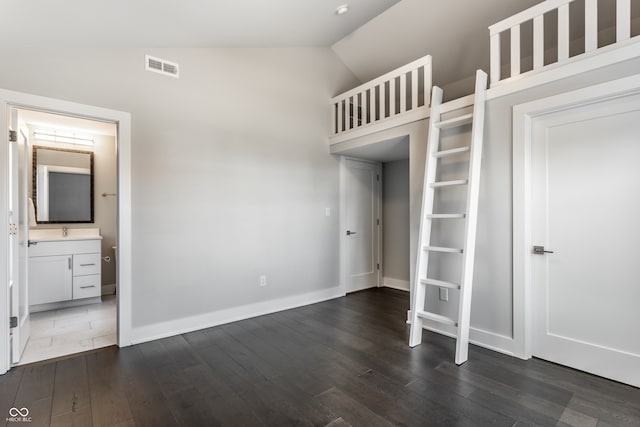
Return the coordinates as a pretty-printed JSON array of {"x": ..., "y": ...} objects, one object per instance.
[
  {"x": 181, "y": 23},
  {"x": 388, "y": 150}
]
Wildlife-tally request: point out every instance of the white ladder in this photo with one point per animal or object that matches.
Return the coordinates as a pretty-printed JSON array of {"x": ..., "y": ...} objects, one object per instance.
[{"x": 418, "y": 313}]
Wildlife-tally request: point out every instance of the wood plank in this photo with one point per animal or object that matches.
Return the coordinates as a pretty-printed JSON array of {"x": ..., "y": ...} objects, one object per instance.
[
  {"x": 71, "y": 397},
  {"x": 351, "y": 410},
  {"x": 36, "y": 392},
  {"x": 341, "y": 362},
  {"x": 108, "y": 385}
]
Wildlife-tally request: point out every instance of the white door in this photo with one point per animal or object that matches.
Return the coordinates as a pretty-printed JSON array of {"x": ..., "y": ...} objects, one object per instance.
[
  {"x": 586, "y": 210},
  {"x": 19, "y": 216},
  {"x": 362, "y": 198}
]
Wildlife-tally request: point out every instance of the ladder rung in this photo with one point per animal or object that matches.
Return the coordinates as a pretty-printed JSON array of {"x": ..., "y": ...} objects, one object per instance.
[
  {"x": 437, "y": 318},
  {"x": 440, "y": 283},
  {"x": 452, "y": 152},
  {"x": 442, "y": 249},
  {"x": 454, "y": 122},
  {"x": 448, "y": 183},
  {"x": 446, "y": 216}
]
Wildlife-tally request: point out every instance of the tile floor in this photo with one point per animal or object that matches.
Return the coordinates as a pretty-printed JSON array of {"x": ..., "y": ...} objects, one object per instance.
[{"x": 66, "y": 331}]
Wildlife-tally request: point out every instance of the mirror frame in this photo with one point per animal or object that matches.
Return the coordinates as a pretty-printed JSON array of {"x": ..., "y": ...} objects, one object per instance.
[{"x": 35, "y": 182}]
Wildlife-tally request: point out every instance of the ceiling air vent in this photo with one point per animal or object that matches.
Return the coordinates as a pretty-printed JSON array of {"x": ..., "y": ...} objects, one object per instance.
[{"x": 161, "y": 66}]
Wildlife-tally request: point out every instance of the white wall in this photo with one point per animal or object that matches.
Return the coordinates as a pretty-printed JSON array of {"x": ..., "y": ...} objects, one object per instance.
[
  {"x": 230, "y": 170},
  {"x": 395, "y": 217}
]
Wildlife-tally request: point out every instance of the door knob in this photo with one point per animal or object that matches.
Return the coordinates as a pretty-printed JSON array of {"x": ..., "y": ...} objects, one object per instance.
[
  {"x": 349, "y": 232},
  {"x": 539, "y": 250}
]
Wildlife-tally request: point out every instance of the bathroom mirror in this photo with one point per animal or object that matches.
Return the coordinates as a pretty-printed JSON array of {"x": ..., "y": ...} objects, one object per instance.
[{"x": 62, "y": 185}]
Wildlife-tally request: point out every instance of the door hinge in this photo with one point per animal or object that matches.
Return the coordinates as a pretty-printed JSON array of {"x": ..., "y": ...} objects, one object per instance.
[
  {"x": 377, "y": 177},
  {"x": 13, "y": 322},
  {"x": 378, "y": 266},
  {"x": 13, "y": 229},
  {"x": 13, "y": 136},
  {"x": 378, "y": 221}
]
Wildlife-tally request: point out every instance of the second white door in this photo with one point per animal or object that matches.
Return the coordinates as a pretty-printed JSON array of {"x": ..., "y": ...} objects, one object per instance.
[
  {"x": 362, "y": 206},
  {"x": 586, "y": 211}
]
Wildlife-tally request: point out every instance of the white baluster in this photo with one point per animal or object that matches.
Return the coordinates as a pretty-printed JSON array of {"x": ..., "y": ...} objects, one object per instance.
[
  {"x": 340, "y": 116},
  {"x": 403, "y": 92},
  {"x": 623, "y": 20},
  {"x": 427, "y": 84},
  {"x": 563, "y": 32},
  {"x": 495, "y": 58},
  {"x": 538, "y": 42},
  {"x": 365, "y": 107},
  {"x": 414, "y": 89},
  {"x": 356, "y": 110},
  {"x": 383, "y": 102},
  {"x": 392, "y": 97},
  {"x": 372, "y": 108},
  {"x": 590, "y": 25}
]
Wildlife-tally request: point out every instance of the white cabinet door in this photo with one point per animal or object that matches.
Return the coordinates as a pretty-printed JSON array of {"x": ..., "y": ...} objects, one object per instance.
[{"x": 50, "y": 279}]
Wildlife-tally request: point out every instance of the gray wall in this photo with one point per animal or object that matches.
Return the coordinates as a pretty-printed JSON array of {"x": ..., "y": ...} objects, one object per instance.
[
  {"x": 395, "y": 217},
  {"x": 230, "y": 169}
]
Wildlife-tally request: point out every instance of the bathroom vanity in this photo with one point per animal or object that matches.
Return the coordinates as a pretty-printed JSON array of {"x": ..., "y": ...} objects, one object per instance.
[{"x": 64, "y": 268}]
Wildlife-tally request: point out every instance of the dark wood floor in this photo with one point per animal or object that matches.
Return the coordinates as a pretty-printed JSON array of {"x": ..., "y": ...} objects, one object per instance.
[{"x": 339, "y": 363}]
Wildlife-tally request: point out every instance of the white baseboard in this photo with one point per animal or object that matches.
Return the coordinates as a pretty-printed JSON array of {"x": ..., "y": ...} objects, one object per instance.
[
  {"x": 481, "y": 338},
  {"x": 202, "y": 321},
  {"x": 109, "y": 289},
  {"x": 401, "y": 285}
]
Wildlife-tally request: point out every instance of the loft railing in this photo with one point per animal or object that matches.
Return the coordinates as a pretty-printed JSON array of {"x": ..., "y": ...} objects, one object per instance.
[
  {"x": 536, "y": 14},
  {"x": 406, "y": 89}
]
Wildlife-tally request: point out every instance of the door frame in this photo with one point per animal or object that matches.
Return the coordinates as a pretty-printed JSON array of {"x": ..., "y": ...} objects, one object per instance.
[
  {"x": 11, "y": 99},
  {"x": 344, "y": 270},
  {"x": 524, "y": 116}
]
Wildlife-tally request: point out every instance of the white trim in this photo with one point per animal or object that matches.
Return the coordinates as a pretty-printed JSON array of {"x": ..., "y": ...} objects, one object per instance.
[
  {"x": 523, "y": 116},
  {"x": 123, "y": 120},
  {"x": 401, "y": 285},
  {"x": 202, "y": 321}
]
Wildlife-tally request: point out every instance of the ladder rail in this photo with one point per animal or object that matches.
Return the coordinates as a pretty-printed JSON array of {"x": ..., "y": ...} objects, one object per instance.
[
  {"x": 428, "y": 199},
  {"x": 473, "y": 198}
]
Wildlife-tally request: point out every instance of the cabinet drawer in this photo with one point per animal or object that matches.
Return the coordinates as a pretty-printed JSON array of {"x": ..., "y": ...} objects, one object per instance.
[
  {"x": 86, "y": 264},
  {"x": 86, "y": 286}
]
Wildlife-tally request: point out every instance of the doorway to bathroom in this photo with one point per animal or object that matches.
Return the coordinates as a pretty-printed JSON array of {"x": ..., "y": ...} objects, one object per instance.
[
  {"x": 70, "y": 183},
  {"x": 64, "y": 291}
]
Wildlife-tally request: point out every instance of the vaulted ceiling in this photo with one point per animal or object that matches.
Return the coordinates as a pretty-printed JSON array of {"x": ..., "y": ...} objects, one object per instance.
[{"x": 374, "y": 37}]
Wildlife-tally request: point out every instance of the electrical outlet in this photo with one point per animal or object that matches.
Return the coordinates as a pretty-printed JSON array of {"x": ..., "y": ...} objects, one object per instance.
[
  {"x": 444, "y": 294},
  {"x": 263, "y": 280}
]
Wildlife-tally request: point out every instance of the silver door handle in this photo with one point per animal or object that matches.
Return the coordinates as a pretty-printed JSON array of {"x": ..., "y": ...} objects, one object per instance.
[
  {"x": 86, "y": 265},
  {"x": 349, "y": 232},
  {"x": 539, "y": 250},
  {"x": 85, "y": 287},
  {"x": 31, "y": 243}
]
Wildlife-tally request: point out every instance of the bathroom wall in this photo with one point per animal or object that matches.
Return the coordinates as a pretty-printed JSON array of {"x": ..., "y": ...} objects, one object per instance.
[
  {"x": 231, "y": 174},
  {"x": 104, "y": 181},
  {"x": 395, "y": 217}
]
